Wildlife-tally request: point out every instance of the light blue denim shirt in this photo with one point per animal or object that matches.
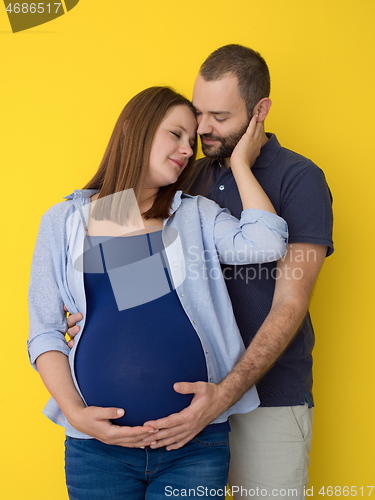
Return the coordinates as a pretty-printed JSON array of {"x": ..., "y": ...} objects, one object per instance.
[{"x": 207, "y": 236}]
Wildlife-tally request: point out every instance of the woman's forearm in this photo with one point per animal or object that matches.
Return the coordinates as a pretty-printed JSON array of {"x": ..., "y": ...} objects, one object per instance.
[
  {"x": 251, "y": 192},
  {"x": 241, "y": 161},
  {"x": 54, "y": 369}
]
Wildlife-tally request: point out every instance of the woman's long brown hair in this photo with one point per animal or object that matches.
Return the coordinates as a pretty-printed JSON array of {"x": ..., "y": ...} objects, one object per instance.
[{"x": 126, "y": 159}]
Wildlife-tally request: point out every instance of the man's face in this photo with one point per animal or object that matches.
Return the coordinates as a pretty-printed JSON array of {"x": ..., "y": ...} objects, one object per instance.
[{"x": 221, "y": 114}]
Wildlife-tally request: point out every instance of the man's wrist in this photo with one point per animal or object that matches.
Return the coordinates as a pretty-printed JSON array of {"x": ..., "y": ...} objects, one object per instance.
[{"x": 227, "y": 395}]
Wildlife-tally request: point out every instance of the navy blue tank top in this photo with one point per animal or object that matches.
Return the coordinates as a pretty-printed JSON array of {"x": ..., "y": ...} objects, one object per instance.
[{"x": 133, "y": 347}]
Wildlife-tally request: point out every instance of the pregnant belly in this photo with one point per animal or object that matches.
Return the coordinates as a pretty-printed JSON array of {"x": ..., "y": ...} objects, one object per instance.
[{"x": 133, "y": 362}]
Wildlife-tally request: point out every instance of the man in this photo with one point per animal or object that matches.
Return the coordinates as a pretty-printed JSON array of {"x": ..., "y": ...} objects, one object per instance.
[{"x": 269, "y": 446}]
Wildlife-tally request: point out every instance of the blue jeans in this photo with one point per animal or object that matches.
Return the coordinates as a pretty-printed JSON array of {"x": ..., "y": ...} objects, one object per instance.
[{"x": 97, "y": 471}]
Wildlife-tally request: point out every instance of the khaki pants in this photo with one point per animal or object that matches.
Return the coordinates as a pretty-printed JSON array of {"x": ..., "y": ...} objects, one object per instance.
[{"x": 270, "y": 452}]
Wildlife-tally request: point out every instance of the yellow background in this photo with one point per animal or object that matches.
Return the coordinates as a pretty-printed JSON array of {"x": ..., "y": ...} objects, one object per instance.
[{"x": 62, "y": 86}]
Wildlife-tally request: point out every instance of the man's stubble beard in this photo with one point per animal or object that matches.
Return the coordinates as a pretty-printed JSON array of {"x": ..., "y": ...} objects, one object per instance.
[{"x": 227, "y": 144}]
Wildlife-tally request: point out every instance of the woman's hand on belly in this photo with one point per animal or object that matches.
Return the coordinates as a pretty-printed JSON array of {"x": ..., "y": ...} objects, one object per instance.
[
  {"x": 54, "y": 368},
  {"x": 95, "y": 422}
]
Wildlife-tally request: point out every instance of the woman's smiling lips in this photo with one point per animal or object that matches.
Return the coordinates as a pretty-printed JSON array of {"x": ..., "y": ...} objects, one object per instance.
[{"x": 179, "y": 163}]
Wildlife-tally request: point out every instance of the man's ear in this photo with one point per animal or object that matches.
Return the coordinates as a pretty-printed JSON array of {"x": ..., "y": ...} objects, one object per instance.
[{"x": 262, "y": 108}]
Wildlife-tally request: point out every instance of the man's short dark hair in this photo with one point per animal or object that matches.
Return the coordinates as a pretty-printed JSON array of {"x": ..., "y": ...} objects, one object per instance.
[{"x": 247, "y": 65}]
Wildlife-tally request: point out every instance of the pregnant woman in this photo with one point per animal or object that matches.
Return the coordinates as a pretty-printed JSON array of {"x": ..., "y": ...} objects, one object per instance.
[{"x": 141, "y": 260}]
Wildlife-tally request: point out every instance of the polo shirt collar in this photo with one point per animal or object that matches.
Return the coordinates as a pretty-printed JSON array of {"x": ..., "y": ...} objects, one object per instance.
[{"x": 269, "y": 152}]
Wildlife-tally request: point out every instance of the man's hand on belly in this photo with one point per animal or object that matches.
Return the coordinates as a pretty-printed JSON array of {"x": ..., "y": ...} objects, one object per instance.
[{"x": 179, "y": 428}]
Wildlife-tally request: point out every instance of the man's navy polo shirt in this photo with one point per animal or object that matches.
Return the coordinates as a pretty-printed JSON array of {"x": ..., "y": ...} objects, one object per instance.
[{"x": 298, "y": 190}]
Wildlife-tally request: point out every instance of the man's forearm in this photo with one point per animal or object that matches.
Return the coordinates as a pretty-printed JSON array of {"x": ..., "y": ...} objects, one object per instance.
[
  {"x": 269, "y": 343},
  {"x": 289, "y": 307}
]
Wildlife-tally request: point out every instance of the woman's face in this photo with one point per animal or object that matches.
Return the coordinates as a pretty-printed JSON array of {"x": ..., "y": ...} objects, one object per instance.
[{"x": 171, "y": 147}]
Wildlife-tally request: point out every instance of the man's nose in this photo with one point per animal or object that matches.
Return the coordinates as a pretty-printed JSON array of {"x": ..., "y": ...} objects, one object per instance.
[{"x": 204, "y": 125}]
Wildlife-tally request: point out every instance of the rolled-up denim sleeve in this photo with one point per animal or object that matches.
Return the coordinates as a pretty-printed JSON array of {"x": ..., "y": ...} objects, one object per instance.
[
  {"x": 47, "y": 321},
  {"x": 258, "y": 237}
]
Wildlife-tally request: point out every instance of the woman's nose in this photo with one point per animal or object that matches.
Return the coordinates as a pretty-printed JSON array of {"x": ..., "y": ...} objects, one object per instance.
[{"x": 187, "y": 150}]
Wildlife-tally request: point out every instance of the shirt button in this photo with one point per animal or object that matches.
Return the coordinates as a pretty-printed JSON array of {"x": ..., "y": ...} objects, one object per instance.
[
  {"x": 175, "y": 264},
  {"x": 206, "y": 351},
  {"x": 221, "y": 187},
  {"x": 194, "y": 322},
  {"x": 181, "y": 294},
  {"x": 211, "y": 380}
]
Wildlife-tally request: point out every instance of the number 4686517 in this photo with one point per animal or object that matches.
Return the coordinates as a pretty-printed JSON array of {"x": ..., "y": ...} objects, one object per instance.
[{"x": 33, "y": 8}]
